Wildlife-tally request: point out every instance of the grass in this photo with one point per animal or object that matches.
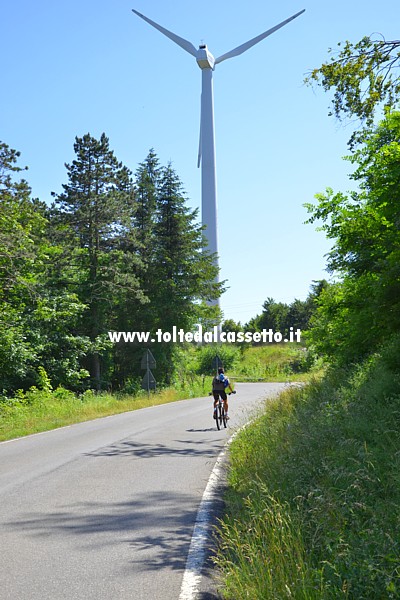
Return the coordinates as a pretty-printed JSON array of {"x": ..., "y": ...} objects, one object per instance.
[
  {"x": 41, "y": 410},
  {"x": 313, "y": 504},
  {"x": 276, "y": 362}
]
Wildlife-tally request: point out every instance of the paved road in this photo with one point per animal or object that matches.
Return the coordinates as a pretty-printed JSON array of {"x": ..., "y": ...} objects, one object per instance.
[{"x": 104, "y": 510}]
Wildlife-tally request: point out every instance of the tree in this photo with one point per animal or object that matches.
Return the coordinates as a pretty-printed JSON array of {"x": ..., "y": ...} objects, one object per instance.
[
  {"x": 146, "y": 189},
  {"x": 99, "y": 259},
  {"x": 182, "y": 272},
  {"x": 231, "y": 325},
  {"x": 363, "y": 76},
  {"x": 365, "y": 305},
  {"x": 139, "y": 316},
  {"x": 96, "y": 219},
  {"x": 285, "y": 318},
  {"x": 274, "y": 315},
  {"x": 36, "y": 320},
  {"x": 20, "y": 227}
]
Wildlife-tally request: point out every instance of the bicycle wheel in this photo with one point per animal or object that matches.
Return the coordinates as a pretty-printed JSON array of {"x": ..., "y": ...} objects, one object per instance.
[
  {"x": 219, "y": 418},
  {"x": 223, "y": 416}
]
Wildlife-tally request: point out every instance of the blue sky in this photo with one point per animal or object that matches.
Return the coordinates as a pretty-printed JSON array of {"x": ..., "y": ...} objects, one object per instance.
[{"x": 86, "y": 66}]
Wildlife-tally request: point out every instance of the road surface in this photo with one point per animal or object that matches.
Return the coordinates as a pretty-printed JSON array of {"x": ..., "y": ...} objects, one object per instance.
[{"x": 105, "y": 510}]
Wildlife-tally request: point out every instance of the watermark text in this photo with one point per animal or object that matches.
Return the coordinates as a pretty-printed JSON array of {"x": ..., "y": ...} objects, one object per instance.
[{"x": 205, "y": 337}]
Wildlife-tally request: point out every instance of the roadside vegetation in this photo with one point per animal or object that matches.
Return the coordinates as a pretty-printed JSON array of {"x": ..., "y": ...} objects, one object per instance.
[
  {"x": 313, "y": 506},
  {"x": 277, "y": 362},
  {"x": 43, "y": 409}
]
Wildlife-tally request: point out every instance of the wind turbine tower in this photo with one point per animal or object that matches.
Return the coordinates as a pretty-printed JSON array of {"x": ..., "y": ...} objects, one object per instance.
[{"x": 206, "y": 156}]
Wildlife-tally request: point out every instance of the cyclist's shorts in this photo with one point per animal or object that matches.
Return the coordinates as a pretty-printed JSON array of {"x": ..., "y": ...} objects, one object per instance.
[{"x": 218, "y": 393}]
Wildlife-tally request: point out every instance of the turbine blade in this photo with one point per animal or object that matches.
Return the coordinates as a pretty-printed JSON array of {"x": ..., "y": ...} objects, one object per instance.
[
  {"x": 201, "y": 122},
  {"x": 252, "y": 42},
  {"x": 188, "y": 46}
]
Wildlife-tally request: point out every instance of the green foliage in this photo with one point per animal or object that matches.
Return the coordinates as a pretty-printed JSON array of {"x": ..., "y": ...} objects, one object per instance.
[
  {"x": 276, "y": 362},
  {"x": 182, "y": 273},
  {"x": 110, "y": 254},
  {"x": 32, "y": 314},
  {"x": 20, "y": 227},
  {"x": 323, "y": 462},
  {"x": 363, "y": 76},
  {"x": 359, "y": 312},
  {"x": 94, "y": 216},
  {"x": 231, "y": 325},
  {"x": 42, "y": 407},
  {"x": 177, "y": 275},
  {"x": 51, "y": 328},
  {"x": 147, "y": 178},
  {"x": 37, "y": 410},
  {"x": 44, "y": 382},
  {"x": 229, "y": 355},
  {"x": 281, "y": 317},
  {"x": 280, "y": 569}
]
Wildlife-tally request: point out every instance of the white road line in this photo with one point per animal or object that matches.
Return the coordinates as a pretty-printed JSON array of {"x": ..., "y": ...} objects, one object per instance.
[{"x": 201, "y": 531}]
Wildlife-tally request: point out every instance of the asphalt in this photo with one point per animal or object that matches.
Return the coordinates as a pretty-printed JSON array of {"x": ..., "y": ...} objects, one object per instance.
[{"x": 105, "y": 509}]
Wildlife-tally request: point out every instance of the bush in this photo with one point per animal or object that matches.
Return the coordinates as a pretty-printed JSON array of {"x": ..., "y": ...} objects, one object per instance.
[{"x": 229, "y": 355}]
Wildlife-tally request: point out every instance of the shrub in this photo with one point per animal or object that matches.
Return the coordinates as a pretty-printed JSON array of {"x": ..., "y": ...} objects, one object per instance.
[{"x": 229, "y": 355}]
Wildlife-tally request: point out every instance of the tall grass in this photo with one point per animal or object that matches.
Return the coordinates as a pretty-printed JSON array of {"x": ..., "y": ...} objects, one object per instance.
[
  {"x": 44, "y": 409},
  {"x": 276, "y": 362},
  {"x": 314, "y": 497},
  {"x": 261, "y": 553}
]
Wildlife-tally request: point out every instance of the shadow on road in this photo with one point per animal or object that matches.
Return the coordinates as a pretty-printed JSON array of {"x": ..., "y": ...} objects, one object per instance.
[
  {"x": 184, "y": 447},
  {"x": 81, "y": 514},
  {"x": 201, "y": 430},
  {"x": 156, "y": 528}
]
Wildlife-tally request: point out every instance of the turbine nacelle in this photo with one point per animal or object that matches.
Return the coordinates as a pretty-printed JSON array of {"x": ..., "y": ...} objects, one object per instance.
[{"x": 204, "y": 58}]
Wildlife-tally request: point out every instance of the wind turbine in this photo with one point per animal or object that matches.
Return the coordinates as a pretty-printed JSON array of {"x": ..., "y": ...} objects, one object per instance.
[{"x": 206, "y": 156}]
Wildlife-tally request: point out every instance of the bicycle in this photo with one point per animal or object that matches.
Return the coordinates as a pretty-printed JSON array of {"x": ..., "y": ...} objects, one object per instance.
[{"x": 220, "y": 415}]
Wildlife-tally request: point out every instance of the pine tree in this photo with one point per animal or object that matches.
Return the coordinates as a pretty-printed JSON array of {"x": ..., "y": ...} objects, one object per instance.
[
  {"x": 146, "y": 191},
  {"x": 182, "y": 272},
  {"x": 139, "y": 316},
  {"x": 177, "y": 273},
  {"x": 96, "y": 212},
  {"x": 147, "y": 176}
]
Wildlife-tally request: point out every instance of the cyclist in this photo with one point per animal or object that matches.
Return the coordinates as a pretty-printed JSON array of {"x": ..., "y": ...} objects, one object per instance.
[{"x": 219, "y": 385}]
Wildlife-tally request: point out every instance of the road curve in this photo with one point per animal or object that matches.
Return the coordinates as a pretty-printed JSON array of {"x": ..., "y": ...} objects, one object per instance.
[{"x": 105, "y": 509}]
